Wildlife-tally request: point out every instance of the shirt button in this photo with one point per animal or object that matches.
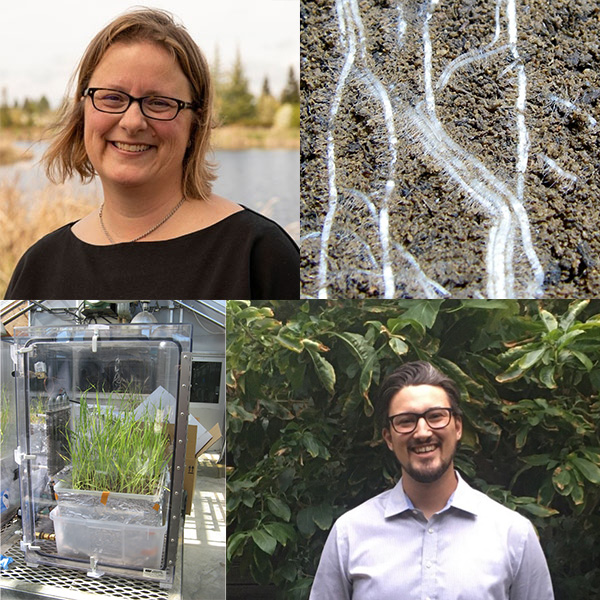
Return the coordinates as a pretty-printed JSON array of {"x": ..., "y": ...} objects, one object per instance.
[
  {"x": 428, "y": 565},
  {"x": 430, "y": 530}
]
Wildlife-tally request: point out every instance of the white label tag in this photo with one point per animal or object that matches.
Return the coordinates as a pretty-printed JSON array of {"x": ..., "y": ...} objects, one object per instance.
[{"x": 155, "y": 574}]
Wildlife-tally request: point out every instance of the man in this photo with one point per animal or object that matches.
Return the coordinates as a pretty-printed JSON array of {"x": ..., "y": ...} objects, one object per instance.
[{"x": 432, "y": 537}]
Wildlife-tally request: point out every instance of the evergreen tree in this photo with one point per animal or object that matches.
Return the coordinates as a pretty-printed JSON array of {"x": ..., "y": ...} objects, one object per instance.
[
  {"x": 5, "y": 116},
  {"x": 267, "y": 106},
  {"x": 266, "y": 88},
  {"x": 291, "y": 92},
  {"x": 28, "y": 106},
  {"x": 237, "y": 103},
  {"x": 217, "y": 78},
  {"x": 43, "y": 105}
]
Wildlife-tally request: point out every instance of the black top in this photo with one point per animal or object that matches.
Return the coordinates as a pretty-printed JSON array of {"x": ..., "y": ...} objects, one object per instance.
[{"x": 244, "y": 256}]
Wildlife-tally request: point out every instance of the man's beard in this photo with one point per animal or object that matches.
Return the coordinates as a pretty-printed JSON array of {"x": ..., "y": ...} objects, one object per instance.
[{"x": 428, "y": 475}]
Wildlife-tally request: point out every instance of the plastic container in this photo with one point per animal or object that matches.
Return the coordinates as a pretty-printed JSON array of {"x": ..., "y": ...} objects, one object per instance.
[
  {"x": 112, "y": 506},
  {"x": 110, "y": 543}
]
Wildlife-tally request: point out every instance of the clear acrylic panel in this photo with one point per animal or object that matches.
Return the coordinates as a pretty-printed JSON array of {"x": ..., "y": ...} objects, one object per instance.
[
  {"x": 9, "y": 473},
  {"x": 99, "y": 407}
]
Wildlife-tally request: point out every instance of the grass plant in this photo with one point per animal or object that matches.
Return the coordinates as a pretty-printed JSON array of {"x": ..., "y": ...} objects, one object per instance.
[
  {"x": 24, "y": 219},
  {"x": 4, "y": 416},
  {"x": 112, "y": 451}
]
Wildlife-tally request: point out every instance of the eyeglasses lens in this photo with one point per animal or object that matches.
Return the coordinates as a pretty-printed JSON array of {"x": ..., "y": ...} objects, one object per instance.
[
  {"x": 435, "y": 418},
  {"x": 155, "y": 107}
]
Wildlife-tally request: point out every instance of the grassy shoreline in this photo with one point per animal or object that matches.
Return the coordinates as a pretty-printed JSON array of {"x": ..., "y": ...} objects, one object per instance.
[
  {"x": 10, "y": 154},
  {"x": 230, "y": 137}
]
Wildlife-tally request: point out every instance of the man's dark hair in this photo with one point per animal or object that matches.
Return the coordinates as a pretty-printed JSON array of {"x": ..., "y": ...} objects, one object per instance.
[{"x": 414, "y": 373}]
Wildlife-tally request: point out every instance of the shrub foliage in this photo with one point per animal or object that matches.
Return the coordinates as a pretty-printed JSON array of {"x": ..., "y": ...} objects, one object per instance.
[{"x": 302, "y": 379}]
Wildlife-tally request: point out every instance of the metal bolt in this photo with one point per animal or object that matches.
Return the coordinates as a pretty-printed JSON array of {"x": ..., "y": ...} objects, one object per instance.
[
  {"x": 174, "y": 517},
  {"x": 170, "y": 562},
  {"x": 172, "y": 540},
  {"x": 178, "y": 468},
  {"x": 177, "y": 493}
]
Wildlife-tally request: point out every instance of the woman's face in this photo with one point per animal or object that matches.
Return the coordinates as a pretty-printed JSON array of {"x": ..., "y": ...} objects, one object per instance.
[{"x": 129, "y": 149}]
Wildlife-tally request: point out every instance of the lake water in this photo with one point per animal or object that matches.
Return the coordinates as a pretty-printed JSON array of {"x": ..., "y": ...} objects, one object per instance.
[{"x": 267, "y": 181}]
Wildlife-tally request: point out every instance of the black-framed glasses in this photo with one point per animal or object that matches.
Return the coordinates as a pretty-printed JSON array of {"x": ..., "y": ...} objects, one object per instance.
[
  {"x": 161, "y": 108},
  {"x": 436, "y": 418}
]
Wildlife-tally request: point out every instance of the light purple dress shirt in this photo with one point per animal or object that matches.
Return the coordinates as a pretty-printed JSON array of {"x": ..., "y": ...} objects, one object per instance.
[{"x": 473, "y": 549}]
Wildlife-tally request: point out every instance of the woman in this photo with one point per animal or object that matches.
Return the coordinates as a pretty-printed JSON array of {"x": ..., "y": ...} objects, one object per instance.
[{"x": 141, "y": 120}]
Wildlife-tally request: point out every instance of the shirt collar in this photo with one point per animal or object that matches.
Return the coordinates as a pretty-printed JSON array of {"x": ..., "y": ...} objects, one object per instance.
[{"x": 464, "y": 498}]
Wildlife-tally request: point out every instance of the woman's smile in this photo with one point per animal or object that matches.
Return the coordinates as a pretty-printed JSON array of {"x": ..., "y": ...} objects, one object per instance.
[{"x": 132, "y": 148}]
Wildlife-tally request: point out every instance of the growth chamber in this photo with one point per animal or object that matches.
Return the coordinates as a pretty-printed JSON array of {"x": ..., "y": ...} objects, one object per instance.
[{"x": 102, "y": 415}]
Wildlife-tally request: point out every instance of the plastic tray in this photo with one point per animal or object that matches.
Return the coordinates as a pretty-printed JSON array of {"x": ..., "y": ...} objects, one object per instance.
[{"x": 111, "y": 543}]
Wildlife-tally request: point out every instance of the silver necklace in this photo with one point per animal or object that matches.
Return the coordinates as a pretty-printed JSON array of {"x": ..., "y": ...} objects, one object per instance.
[{"x": 139, "y": 237}]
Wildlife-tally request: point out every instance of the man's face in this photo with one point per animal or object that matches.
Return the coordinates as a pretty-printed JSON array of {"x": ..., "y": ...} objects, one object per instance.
[{"x": 426, "y": 453}]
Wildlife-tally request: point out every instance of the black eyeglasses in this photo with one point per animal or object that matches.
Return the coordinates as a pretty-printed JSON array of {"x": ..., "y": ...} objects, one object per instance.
[
  {"x": 436, "y": 418},
  {"x": 161, "y": 108}
]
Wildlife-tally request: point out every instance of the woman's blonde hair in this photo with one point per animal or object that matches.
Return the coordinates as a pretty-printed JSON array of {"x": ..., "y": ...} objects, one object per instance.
[{"x": 66, "y": 153}]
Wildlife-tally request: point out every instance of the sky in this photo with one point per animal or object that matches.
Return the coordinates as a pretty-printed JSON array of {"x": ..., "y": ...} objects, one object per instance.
[{"x": 41, "y": 41}]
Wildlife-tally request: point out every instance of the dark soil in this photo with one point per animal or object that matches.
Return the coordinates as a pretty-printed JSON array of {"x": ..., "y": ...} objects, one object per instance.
[{"x": 431, "y": 217}]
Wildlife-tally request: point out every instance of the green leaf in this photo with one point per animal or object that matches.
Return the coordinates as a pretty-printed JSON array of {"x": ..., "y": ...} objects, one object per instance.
[
  {"x": 587, "y": 468},
  {"x": 236, "y": 411},
  {"x": 537, "y": 460},
  {"x": 279, "y": 508},
  {"x": 583, "y": 359},
  {"x": 424, "y": 312},
  {"x": 305, "y": 522},
  {"x": 324, "y": 369},
  {"x": 399, "y": 347},
  {"x": 485, "y": 305},
  {"x": 282, "y": 532},
  {"x": 290, "y": 341},
  {"x": 266, "y": 542},
  {"x": 286, "y": 478},
  {"x": 357, "y": 343},
  {"x": 561, "y": 479},
  {"x": 531, "y": 358},
  {"x": 323, "y": 516},
  {"x": 311, "y": 444},
  {"x": 511, "y": 374},
  {"x": 577, "y": 495},
  {"x": 590, "y": 454},
  {"x": 549, "y": 320},
  {"x": 248, "y": 498},
  {"x": 521, "y": 436},
  {"x": 287, "y": 571},
  {"x": 369, "y": 370},
  {"x": 574, "y": 309},
  {"x": 236, "y": 542},
  {"x": 568, "y": 337},
  {"x": 547, "y": 377},
  {"x": 539, "y": 511},
  {"x": 546, "y": 492},
  {"x": 351, "y": 405}
]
